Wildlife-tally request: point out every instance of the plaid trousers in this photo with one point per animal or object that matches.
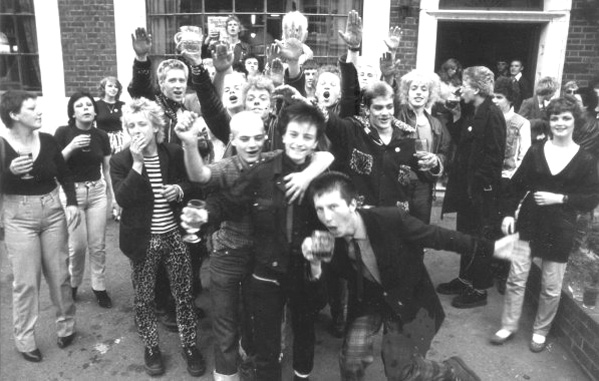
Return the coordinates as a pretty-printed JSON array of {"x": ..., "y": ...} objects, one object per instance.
[{"x": 403, "y": 354}]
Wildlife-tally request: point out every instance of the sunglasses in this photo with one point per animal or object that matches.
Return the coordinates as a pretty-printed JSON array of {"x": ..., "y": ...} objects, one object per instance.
[{"x": 571, "y": 91}]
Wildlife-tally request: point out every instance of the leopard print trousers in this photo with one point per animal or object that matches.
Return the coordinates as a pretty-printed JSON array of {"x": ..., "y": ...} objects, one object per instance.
[{"x": 169, "y": 249}]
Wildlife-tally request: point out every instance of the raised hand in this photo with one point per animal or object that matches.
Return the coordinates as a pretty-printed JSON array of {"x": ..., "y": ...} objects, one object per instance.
[
  {"x": 272, "y": 52},
  {"x": 291, "y": 48},
  {"x": 353, "y": 30},
  {"x": 222, "y": 56},
  {"x": 277, "y": 72},
  {"x": 186, "y": 129},
  {"x": 289, "y": 94},
  {"x": 393, "y": 39},
  {"x": 142, "y": 43}
]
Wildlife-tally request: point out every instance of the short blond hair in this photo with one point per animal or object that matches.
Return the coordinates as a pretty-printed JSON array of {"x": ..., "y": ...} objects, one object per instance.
[
  {"x": 150, "y": 109},
  {"x": 481, "y": 78},
  {"x": 168, "y": 65}
]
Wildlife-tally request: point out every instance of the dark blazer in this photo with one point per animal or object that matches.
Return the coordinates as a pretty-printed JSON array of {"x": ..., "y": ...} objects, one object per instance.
[
  {"x": 539, "y": 127},
  {"x": 406, "y": 285},
  {"x": 134, "y": 194},
  {"x": 525, "y": 92},
  {"x": 475, "y": 175}
]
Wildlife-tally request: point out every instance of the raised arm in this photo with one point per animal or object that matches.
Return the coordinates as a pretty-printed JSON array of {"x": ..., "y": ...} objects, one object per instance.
[
  {"x": 141, "y": 83},
  {"x": 352, "y": 36},
  {"x": 187, "y": 130}
]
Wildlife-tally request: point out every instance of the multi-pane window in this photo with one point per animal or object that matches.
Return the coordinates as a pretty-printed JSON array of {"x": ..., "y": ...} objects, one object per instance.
[
  {"x": 19, "y": 58},
  {"x": 260, "y": 19}
]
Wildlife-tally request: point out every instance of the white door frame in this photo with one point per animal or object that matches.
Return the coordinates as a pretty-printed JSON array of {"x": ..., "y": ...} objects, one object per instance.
[{"x": 555, "y": 19}]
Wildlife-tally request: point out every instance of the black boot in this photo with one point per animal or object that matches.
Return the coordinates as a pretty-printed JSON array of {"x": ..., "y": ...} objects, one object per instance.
[
  {"x": 153, "y": 361},
  {"x": 196, "y": 366}
]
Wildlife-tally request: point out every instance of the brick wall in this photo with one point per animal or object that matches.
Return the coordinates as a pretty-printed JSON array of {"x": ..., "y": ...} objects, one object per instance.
[
  {"x": 574, "y": 328},
  {"x": 88, "y": 43},
  {"x": 582, "y": 52},
  {"x": 404, "y": 13}
]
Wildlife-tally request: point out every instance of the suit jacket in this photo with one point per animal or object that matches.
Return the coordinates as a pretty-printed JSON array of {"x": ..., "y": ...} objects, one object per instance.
[
  {"x": 538, "y": 125},
  {"x": 406, "y": 285},
  {"x": 133, "y": 193},
  {"x": 525, "y": 92}
]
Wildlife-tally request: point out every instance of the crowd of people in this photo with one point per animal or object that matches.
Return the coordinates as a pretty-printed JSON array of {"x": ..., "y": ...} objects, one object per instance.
[{"x": 256, "y": 156}]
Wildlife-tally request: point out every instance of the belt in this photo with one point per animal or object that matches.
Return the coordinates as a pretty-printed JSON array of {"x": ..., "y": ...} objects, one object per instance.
[{"x": 87, "y": 184}]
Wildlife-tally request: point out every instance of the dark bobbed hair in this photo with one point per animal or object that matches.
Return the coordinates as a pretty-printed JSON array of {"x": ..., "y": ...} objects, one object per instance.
[
  {"x": 71, "y": 105},
  {"x": 375, "y": 90},
  {"x": 565, "y": 104},
  {"x": 105, "y": 81},
  {"x": 508, "y": 88},
  {"x": 300, "y": 112},
  {"x": 331, "y": 181},
  {"x": 12, "y": 101},
  {"x": 259, "y": 59}
]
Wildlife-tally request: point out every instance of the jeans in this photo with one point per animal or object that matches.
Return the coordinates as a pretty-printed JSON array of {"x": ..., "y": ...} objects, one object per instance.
[
  {"x": 551, "y": 289},
  {"x": 36, "y": 242},
  {"x": 229, "y": 270},
  {"x": 269, "y": 296},
  {"x": 91, "y": 233},
  {"x": 475, "y": 270}
]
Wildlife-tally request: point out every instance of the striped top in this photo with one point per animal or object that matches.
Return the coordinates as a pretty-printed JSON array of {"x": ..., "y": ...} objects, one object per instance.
[{"x": 163, "y": 219}]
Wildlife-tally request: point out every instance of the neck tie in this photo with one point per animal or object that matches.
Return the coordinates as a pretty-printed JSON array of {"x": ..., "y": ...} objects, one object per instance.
[{"x": 359, "y": 269}]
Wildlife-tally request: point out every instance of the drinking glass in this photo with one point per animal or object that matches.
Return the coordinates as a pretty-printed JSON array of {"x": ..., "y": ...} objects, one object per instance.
[
  {"x": 589, "y": 297},
  {"x": 89, "y": 140},
  {"x": 421, "y": 145},
  {"x": 191, "y": 236},
  {"x": 27, "y": 153},
  {"x": 323, "y": 244}
]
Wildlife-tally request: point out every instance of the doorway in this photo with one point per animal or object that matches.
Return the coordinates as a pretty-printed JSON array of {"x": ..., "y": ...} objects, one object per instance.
[{"x": 483, "y": 43}]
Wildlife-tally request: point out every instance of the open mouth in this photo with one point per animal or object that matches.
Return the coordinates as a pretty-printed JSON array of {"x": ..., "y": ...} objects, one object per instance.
[
  {"x": 233, "y": 98},
  {"x": 326, "y": 94}
]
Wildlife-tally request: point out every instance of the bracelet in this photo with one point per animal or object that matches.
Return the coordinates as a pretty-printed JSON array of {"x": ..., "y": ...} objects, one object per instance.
[{"x": 354, "y": 49}]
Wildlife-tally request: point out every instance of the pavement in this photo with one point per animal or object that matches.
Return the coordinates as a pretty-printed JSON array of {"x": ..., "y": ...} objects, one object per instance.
[{"x": 107, "y": 346}]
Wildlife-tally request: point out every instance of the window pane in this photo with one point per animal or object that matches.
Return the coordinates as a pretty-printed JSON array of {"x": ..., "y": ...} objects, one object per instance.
[
  {"x": 163, "y": 30},
  {"x": 30, "y": 72},
  {"x": 316, "y": 6},
  {"x": 9, "y": 73},
  {"x": 252, "y": 31},
  {"x": 7, "y": 6},
  {"x": 323, "y": 37},
  {"x": 191, "y": 6},
  {"x": 249, "y": 6},
  {"x": 24, "y": 6},
  {"x": 219, "y": 5},
  {"x": 26, "y": 34},
  {"x": 7, "y": 26},
  {"x": 278, "y": 6}
]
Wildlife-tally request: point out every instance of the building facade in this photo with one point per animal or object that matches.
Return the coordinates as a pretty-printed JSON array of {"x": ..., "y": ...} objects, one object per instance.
[{"x": 55, "y": 47}]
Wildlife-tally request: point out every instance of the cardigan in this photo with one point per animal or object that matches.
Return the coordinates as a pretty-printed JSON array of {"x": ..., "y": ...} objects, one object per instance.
[{"x": 551, "y": 228}]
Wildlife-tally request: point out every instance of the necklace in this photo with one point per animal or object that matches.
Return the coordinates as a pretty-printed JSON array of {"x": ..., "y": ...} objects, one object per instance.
[{"x": 111, "y": 107}]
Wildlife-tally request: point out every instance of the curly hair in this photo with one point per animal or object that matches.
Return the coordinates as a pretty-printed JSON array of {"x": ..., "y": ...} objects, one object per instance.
[
  {"x": 257, "y": 82},
  {"x": 71, "y": 105},
  {"x": 564, "y": 104},
  {"x": 167, "y": 65},
  {"x": 105, "y": 81},
  {"x": 431, "y": 80},
  {"x": 375, "y": 90},
  {"x": 150, "y": 110},
  {"x": 481, "y": 78}
]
